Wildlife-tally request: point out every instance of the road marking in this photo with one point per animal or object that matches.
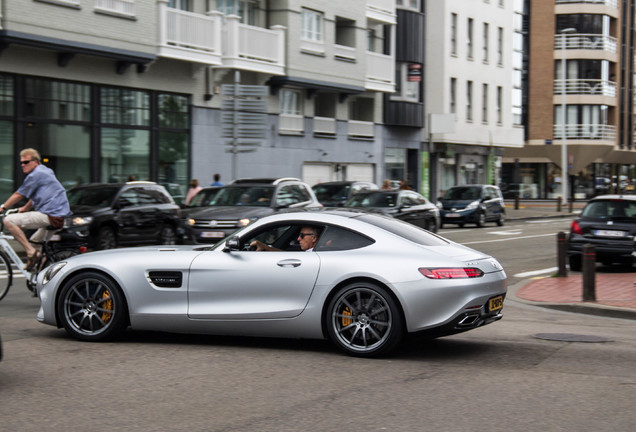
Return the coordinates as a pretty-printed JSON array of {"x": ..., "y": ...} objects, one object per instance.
[
  {"x": 508, "y": 239},
  {"x": 536, "y": 272},
  {"x": 506, "y": 232}
]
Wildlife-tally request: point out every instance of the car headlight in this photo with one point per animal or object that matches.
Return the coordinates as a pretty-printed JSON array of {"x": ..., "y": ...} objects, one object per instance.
[
  {"x": 245, "y": 222},
  {"x": 81, "y": 220},
  {"x": 473, "y": 205},
  {"x": 191, "y": 222},
  {"x": 52, "y": 271}
]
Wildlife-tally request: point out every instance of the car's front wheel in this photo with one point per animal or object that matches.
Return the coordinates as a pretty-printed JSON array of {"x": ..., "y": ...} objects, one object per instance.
[
  {"x": 91, "y": 307},
  {"x": 575, "y": 262},
  {"x": 480, "y": 219},
  {"x": 502, "y": 219},
  {"x": 363, "y": 320}
]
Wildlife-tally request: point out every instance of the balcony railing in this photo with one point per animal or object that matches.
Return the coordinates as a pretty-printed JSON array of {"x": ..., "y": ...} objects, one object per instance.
[
  {"x": 586, "y": 131},
  {"x": 612, "y": 3},
  {"x": 382, "y": 10},
  {"x": 360, "y": 129},
  {"x": 585, "y": 87},
  {"x": 123, "y": 7},
  {"x": 324, "y": 126},
  {"x": 253, "y": 48},
  {"x": 586, "y": 42},
  {"x": 380, "y": 72},
  {"x": 292, "y": 124}
]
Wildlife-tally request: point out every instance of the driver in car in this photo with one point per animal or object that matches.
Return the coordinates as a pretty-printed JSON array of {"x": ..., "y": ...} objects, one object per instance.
[{"x": 307, "y": 239}]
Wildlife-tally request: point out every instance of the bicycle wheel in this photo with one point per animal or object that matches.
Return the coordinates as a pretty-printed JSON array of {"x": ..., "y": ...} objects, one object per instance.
[{"x": 6, "y": 275}]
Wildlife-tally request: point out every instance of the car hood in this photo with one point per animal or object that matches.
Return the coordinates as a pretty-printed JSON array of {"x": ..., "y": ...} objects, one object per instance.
[
  {"x": 87, "y": 210},
  {"x": 230, "y": 212},
  {"x": 460, "y": 204}
]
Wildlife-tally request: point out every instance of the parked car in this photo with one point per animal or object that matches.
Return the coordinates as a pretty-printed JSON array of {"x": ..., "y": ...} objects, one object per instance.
[
  {"x": 107, "y": 215},
  {"x": 176, "y": 191},
  {"x": 241, "y": 203},
  {"x": 203, "y": 198},
  {"x": 335, "y": 194},
  {"x": 608, "y": 222},
  {"x": 405, "y": 205},
  {"x": 370, "y": 281},
  {"x": 474, "y": 203}
]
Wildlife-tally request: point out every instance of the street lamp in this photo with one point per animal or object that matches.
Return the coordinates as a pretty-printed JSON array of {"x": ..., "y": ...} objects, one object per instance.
[{"x": 564, "y": 145}]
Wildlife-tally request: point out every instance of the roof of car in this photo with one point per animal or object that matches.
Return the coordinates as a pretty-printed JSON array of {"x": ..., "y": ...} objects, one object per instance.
[
  {"x": 614, "y": 197},
  {"x": 343, "y": 182},
  {"x": 272, "y": 181}
]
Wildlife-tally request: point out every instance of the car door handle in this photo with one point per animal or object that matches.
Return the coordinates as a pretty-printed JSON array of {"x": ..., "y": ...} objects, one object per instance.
[{"x": 289, "y": 263}]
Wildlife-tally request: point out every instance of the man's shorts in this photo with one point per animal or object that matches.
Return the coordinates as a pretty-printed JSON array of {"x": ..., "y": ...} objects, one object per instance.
[{"x": 31, "y": 220}]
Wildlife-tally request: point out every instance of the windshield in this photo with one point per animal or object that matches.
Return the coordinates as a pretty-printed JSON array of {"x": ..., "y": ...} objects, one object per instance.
[
  {"x": 94, "y": 197},
  {"x": 463, "y": 193},
  {"x": 380, "y": 199},
  {"x": 332, "y": 192},
  {"x": 203, "y": 198},
  {"x": 260, "y": 196}
]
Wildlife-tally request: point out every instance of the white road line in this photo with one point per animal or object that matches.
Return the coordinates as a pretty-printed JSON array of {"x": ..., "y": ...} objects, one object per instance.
[
  {"x": 536, "y": 272},
  {"x": 508, "y": 239}
]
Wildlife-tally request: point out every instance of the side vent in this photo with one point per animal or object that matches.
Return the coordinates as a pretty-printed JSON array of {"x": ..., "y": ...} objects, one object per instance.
[{"x": 166, "y": 279}]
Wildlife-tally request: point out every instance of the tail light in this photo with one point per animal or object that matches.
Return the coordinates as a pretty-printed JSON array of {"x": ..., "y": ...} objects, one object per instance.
[
  {"x": 82, "y": 249},
  {"x": 575, "y": 228},
  {"x": 451, "y": 273}
]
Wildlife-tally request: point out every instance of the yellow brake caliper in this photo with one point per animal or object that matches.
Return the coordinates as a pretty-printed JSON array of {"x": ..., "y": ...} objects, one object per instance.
[
  {"x": 347, "y": 321},
  {"x": 108, "y": 305}
]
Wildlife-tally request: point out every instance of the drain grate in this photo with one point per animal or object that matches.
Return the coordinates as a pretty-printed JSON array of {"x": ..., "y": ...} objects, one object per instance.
[{"x": 569, "y": 337}]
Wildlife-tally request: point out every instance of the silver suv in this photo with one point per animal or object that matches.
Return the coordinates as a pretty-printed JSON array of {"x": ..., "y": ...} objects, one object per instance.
[{"x": 241, "y": 203}]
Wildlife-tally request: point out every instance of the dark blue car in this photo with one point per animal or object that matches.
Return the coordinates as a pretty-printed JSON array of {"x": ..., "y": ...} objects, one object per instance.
[{"x": 474, "y": 203}]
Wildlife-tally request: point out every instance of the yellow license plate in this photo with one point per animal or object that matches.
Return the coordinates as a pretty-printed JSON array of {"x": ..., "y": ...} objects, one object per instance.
[{"x": 495, "y": 303}]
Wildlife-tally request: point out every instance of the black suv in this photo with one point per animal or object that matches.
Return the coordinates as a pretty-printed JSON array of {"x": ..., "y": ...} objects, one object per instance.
[
  {"x": 473, "y": 203},
  {"x": 241, "y": 203},
  {"x": 335, "y": 194},
  {"x": 106, "y": 215}
]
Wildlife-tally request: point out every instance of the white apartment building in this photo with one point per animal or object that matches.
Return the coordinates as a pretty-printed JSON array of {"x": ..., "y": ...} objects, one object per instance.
[{"x": 472, "y": 88}]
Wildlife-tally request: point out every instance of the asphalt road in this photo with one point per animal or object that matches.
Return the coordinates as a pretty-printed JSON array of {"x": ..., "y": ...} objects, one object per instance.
[{"x": 497, "y": 378}]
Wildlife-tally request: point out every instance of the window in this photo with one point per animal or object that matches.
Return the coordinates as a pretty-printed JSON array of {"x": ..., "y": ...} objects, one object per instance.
[
  {"x": 469, "y": 101},
  {"x": 500, "y": 42},
  {"x": 485, "y": 43},
  {"x": 469, "y": 39},
  {"x": 290, "y": 102},
  {"x": 484, "y": 103},
  {"x": 288, "y": 195},
  {"x": 408, "y": 77},
  {"x": 182, "y": 4},
  {"x": 337, "y": 239},
  {"x": 242, "y": 8},
  {"x": 413, "y": 5},
  {"x": 117, "y": 7},
  {"x": 499, "y": 105},
  {"x": 453, "y": 34},
  {"x": 312, "y": 25},
  {"x": 345, "y": 32},
  {"x": 125, "y": 107},
  {"x": 453, "y": 96}
]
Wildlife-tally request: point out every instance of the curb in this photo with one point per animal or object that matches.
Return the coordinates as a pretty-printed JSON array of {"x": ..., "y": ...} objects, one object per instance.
[{"x": 583, "y": 308}]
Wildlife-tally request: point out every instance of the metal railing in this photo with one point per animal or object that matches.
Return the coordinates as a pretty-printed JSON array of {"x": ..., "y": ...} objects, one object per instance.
[
  {"x": 362, "y": 129},
  {"x": 125, "y": 7},
  {"x": 585, "y": 131},
  {"x": 585, "y": 87},
  {"x": 191, "y": 30},
  {"x": 585, "y": 41},
  {"x": 612, "y": 3}
]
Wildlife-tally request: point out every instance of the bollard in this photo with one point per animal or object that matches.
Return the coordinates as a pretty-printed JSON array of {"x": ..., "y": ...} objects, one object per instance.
[
  {"x": 561, "y": 255},
  {"x": 571, "y": 205},
  {"x": 517, "y": 202},
  {"x": 589, "y": 273},
  {"x": 558, "y": 200}
]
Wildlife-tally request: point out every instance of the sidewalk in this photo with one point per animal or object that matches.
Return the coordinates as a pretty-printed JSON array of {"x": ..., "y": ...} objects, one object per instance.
[{"x": 615, "y": 292}]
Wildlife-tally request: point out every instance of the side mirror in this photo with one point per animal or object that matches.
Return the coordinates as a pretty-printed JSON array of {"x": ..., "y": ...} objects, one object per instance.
[{"x": 232, "y": 244}]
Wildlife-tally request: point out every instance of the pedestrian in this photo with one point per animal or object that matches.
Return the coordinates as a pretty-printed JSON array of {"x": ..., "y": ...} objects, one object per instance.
[
  {"x": 192, "y": 191},
  {"x": 386, "y": 184},
  {"x": 46, "y": 197},
  {"x": 217, "y": 180},
  {"x": 404, "y": 185}
]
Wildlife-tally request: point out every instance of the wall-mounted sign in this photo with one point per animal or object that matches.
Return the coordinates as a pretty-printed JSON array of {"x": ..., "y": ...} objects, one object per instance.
[{"x": 414, "y": 72}]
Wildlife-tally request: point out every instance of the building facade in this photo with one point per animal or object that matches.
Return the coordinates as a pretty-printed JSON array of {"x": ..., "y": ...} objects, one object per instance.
[{"x": 580, "y": 99}]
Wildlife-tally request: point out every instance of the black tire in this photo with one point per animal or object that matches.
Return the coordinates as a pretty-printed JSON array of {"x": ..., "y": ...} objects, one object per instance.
[
  {"x": 6, "y": 275},
  {"x": 480, "y": 220},
  {"x": 91, "y": 307},
  {"x": 502, "y": 219},
  {"x": 168, "y": 235},
  {"x": 575, "y": 262},
  {"x": 106, "y": 238},
  {"x": 363, "y": 320}
]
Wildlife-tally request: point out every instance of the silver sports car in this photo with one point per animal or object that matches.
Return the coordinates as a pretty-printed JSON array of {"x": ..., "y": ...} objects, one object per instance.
[{"x": 362, "y": 280}]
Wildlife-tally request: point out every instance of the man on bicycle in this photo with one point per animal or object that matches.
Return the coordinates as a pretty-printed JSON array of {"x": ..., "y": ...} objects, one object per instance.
[{"x": 45, "y": 195}]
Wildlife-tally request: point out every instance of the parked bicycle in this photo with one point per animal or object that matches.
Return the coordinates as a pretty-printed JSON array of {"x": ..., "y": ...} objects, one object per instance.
[{"x": 53, "y": 250}]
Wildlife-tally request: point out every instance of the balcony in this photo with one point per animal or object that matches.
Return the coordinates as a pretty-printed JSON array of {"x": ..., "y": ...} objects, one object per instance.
[
  {"x": 324, "y": 126},
  {"x": 381, "y": 11},
  {"x": 360, "y": 129},
  {"x": 218, "y": 40},
  {"x": 116, "y": 7},
  {"x": 586, "y": 132},
  {"x": 583, "y": 41},
  {"x": 380, "y": 72},
  {"x": 611, "y": 3},
  {"x": 585, "y": 87},
  {"x": 291, "y": 124}
]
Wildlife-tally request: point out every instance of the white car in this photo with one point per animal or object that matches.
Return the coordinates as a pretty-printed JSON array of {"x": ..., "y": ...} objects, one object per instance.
[{"x": 369, "y": 281}]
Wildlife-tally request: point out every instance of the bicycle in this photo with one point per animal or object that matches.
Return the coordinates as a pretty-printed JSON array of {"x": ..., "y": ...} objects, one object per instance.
[{"x": 52, "y": 251}]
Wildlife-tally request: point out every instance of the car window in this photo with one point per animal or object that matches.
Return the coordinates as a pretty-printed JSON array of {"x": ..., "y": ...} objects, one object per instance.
[
  {"x": 97, "y": 197},
  {"x": 128, "y": 198},
  {"x": 204, "y": 197},
  {"x": 338, "y": 239},
  {"x": 291, "y": 194},
  {"x": 603, "y": 209},
  {"x": 332, "y": 192},
  {"x": 463, "y": 193},
  {"x": 379, "y": 199},
  {"x": 280, "y": 236},
  {"x": 148, "y": 196},
  {"x": 403, "y": 229}
]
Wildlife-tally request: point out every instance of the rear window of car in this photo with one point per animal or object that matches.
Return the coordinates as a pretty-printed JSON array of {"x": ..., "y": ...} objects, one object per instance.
[
  {"x": 610, "y": 209},
  {"x": 404, "y": 229},
  {"x": 380, "y": 199}
]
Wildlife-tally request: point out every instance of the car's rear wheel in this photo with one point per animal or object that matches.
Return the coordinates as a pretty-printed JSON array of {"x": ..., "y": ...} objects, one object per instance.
[
  {"x": 575, "y": 262},
  {"x": 363, "y": 320},
  {"x": 91, "y": 307},
  {"x": 106, "y": 239},
  {"x": 168, "y": 235}
]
